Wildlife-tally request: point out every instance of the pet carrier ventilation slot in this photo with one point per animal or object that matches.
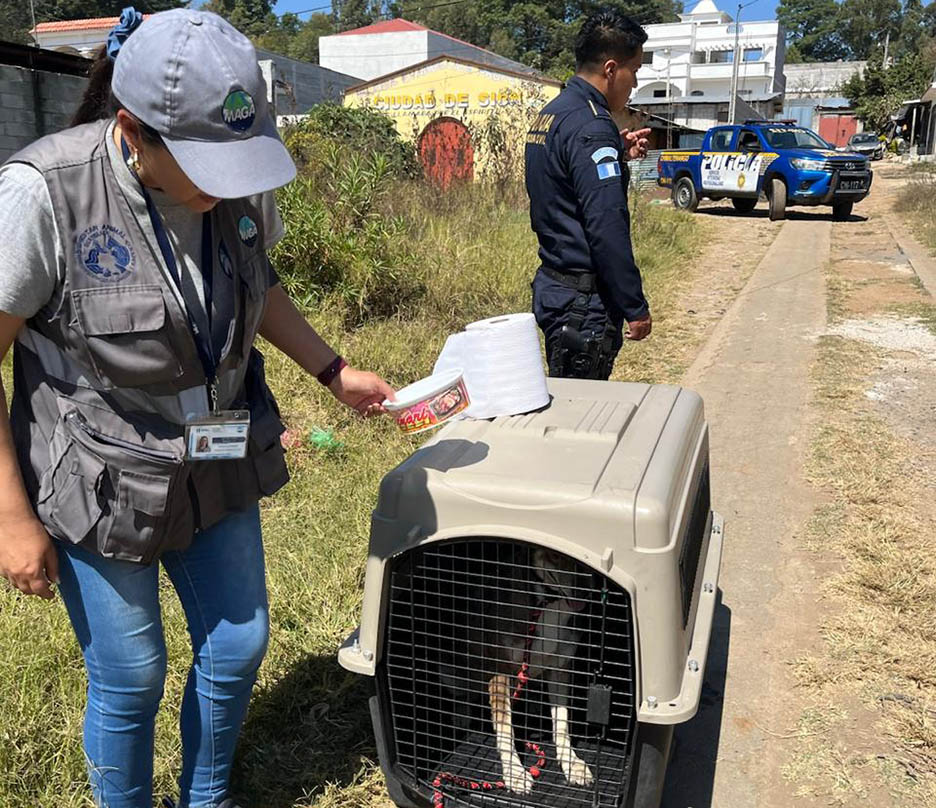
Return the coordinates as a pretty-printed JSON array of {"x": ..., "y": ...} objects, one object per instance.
[{"x": 538, "y": 602}]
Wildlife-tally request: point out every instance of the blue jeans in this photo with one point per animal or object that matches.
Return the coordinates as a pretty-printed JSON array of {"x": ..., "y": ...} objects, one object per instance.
[{"x": 114, "y": 609}]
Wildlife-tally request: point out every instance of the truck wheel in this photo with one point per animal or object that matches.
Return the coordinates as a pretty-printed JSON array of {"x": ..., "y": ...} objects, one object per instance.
[
  {"x": 842, "y": 210},
  {"x": 743, "y": 204},
  {"x": 653, "y": 746},
  {"x": 777, "y": 200},
  {"x": 684, "y": 195}
]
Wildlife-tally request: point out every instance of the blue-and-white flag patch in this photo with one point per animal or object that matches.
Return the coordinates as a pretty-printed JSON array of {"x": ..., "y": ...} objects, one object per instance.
[{"x": 608, "y": 170}]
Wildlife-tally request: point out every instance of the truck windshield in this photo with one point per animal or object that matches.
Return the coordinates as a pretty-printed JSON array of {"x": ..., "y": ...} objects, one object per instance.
[{"x": 786, "y": 137}]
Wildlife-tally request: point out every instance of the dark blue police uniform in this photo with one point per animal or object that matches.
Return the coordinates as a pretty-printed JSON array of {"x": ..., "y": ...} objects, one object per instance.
[{"x": 588, "y": 285}]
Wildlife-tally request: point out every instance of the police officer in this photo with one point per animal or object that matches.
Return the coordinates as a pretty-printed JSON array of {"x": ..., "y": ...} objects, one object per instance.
[{"x": 588, "y": 287}]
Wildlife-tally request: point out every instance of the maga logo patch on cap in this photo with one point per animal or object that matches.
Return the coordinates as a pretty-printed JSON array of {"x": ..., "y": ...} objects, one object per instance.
[
  {"x": 239, "y": 110},
  {"x": 247, "y": 230}
]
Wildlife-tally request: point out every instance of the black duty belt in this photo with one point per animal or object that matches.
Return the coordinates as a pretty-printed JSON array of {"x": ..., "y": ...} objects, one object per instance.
[{"x": 583, "y": 281}]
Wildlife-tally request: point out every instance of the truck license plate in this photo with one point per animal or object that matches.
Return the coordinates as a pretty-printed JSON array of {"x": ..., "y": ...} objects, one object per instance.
[{"x": 852, "y": 185}]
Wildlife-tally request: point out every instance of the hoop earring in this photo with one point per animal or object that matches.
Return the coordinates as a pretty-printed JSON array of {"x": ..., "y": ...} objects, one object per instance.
[{"x": 133, "y": 162}]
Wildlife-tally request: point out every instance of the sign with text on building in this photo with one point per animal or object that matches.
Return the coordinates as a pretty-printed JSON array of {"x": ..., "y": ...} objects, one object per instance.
[{"x": 451, "y": 87}]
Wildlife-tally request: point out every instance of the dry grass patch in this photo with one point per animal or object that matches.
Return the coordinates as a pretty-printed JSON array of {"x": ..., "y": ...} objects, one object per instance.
[{"x": 873, "y": 682}]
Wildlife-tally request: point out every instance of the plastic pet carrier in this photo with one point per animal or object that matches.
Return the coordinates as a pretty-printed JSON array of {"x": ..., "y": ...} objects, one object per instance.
[{"x": 538, "y": 602}]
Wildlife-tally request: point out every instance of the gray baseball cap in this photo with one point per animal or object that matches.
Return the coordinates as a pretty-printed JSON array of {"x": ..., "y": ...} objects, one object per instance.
[{"x": 194, "y": 78}]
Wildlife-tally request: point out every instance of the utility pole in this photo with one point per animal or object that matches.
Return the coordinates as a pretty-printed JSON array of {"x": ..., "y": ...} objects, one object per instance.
[
  {"x": 734, "y": 68},
  {"x": 736, "y": 57},
  {"x": 669, "y": 101},
  {"x": 886, "y": 48},
  {"x": 32, "y": 9}
]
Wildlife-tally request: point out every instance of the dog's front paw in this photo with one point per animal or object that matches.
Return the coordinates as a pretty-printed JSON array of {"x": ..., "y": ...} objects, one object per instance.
[
  {"x": 578, "y": 774},
  {"x": 518, "y": 779}
]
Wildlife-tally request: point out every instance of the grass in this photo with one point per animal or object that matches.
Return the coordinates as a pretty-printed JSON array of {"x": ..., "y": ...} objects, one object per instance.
[
  {"x": 307, "y": 740},
  {"x": 873, "y": 680},
  {"x": 916, "y": 201}
]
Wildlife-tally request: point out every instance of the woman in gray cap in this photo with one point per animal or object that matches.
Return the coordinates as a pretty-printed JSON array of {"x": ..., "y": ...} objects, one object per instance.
[{"x": 141, "y": 429}]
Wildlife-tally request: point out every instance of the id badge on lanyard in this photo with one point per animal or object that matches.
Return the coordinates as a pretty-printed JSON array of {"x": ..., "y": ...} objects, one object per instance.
[{"x": 222, "y": 434}]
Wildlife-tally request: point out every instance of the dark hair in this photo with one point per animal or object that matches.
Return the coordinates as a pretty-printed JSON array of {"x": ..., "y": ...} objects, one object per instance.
[
  {"x": 606, "y": 35},
  {"x": 99, "y": 102}
]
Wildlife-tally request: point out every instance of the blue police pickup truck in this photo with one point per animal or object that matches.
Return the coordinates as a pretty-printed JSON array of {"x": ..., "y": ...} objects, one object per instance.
[{"x": 783, "y": 161}]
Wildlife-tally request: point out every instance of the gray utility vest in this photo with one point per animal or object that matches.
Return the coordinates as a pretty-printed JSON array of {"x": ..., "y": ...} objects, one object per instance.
[{"x": 106, "y": 373}]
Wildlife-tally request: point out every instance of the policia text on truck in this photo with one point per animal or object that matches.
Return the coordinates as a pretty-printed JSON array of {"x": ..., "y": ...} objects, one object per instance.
[{"x": 588, "y": 286}]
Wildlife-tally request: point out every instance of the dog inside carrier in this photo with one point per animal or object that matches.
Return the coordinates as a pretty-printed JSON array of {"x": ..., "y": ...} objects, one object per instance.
[{"x": 538, "y": 602}]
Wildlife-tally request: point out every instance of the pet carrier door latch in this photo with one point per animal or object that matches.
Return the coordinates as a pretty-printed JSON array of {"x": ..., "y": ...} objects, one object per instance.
[{"x": 599, "y": 705}]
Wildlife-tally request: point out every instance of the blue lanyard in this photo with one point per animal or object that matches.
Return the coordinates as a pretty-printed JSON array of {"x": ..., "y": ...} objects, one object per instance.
[{"x": 201, "y": 338}]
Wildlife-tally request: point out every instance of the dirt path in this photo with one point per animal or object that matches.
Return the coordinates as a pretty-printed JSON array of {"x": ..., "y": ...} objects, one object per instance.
[{"x": 754, "y": 373}]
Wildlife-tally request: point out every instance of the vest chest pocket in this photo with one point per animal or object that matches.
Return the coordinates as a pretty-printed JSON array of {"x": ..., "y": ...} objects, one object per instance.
[{"x": 127, "y": 336}]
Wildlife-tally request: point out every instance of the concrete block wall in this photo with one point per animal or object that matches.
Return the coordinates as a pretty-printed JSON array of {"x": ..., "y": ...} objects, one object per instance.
[{"x": 34, "y": 103}]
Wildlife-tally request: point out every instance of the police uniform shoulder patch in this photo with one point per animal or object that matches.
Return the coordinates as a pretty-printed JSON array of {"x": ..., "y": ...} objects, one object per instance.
[
  {"x": 608, "y": 170},
  {"x": 605, "y": 152}
]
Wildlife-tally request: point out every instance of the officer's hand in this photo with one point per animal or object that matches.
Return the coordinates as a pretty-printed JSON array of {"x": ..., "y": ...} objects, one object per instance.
[
  {"x": 362, "y": 391},
  {"x": 27, "y": 556},
  {"x": 635, "y": 143},
  {"x": 638, "y": 329}
]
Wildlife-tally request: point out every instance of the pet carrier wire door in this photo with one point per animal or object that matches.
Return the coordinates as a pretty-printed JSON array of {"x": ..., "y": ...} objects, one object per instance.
[{"x": 538, "y": 602}]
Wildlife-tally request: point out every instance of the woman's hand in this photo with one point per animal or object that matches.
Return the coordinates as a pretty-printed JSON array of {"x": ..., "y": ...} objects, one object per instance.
[
  {"x": 27, "y": 556},
  {"x": 362, "y": 391}
]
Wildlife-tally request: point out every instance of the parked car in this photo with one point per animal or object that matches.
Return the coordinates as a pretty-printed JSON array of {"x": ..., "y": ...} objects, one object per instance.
[
  {"x": 866, "y": 144},
  {"x": 787, "y": 163}
]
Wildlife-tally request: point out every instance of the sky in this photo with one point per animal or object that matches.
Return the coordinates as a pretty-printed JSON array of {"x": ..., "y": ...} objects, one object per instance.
[{"x": 758, "y": 10}]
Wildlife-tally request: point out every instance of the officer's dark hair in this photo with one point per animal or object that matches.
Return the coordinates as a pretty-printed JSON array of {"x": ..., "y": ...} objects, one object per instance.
[
  {"x": 608, "y": 34},
  {"x": 99, "y": 102}
]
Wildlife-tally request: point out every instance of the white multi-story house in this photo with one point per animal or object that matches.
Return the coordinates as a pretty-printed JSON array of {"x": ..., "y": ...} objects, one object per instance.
[{"x": 687, "y": 70}]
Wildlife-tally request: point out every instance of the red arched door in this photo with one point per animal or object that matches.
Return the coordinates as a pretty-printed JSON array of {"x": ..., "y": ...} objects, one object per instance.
[{"x": 446, "y": 152}]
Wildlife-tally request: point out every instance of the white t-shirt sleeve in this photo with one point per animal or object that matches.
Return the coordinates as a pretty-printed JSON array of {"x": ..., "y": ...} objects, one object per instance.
[{"x": 32, "y": 259}]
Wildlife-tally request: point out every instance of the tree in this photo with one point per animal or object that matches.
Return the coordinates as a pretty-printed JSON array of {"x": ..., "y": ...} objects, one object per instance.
[
  {"x": 878, "y": 93},
  {"x": 812, "y": 30},
  {"x": 866, "y": 24},
  {"x": 15, "y": 21},
  {"x": 540, "y": 34},
  {"x": 305, "y": 45},
  {"x": 252, "y": 17},
  {"x": 912, "y": 30},
  {"x": 296, "y": 39},
  {"x": 357, "y": 13}
]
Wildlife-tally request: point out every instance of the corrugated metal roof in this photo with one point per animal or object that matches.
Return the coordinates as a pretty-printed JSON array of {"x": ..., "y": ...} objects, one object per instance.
[{"x": 701, "y": 99}]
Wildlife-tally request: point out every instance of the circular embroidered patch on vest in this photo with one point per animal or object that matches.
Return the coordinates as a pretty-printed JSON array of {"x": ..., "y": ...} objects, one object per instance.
[
  {"x": 239, "y": 110},
  {"x": 247, "y": 230},
  {"x": 224, "y": 259},
  {"x": 104, "y": 252}
]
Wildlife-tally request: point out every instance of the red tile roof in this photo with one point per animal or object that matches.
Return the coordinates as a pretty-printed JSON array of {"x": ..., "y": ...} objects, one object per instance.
[
  {"x": 387, "y": 27},
  {"x": 77, "y": 25}
]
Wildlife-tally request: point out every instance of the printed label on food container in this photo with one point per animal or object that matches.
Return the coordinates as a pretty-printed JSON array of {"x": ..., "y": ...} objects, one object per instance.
[{"x": 433, "y": 411}]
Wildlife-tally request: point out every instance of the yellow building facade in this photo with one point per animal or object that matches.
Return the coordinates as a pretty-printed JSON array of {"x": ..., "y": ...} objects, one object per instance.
[{"x": 467, "y": 119}]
